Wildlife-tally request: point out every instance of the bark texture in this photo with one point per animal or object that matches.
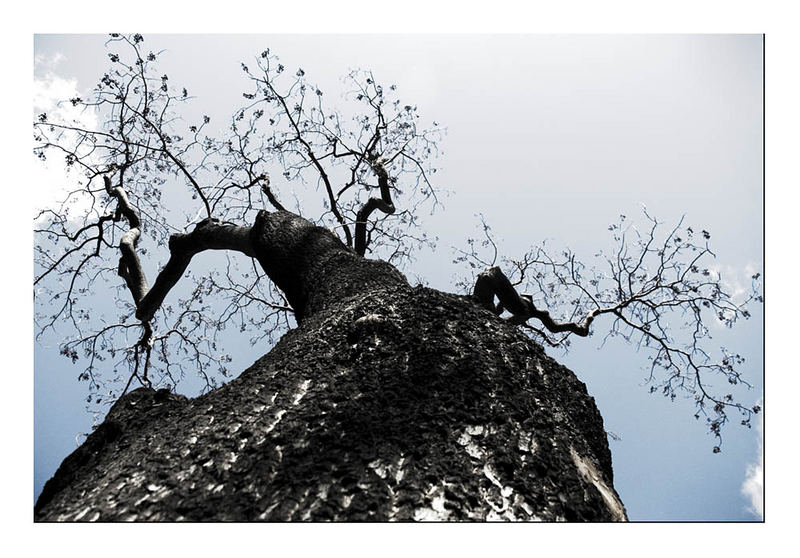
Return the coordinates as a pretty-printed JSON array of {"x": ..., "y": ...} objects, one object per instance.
[{"x": 387, "y": 403}]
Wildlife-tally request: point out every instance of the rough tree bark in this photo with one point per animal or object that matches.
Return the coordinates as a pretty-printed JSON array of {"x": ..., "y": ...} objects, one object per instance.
[{"x": 388, "y": 402}]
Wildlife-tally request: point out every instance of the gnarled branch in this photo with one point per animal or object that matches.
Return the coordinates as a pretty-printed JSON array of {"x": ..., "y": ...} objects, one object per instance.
[
  {"x": 384, "y": 203},
  {"x": 209, "y": 234},
  {"x": 493, "y": 282},
  {"x": 130, "y": 268}
]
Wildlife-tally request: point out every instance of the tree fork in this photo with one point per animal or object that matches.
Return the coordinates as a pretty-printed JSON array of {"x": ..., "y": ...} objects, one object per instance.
[{"x": 208, "y": 234}]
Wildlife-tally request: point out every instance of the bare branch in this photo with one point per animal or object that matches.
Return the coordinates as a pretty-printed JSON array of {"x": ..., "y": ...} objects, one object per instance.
[
  {"x": 658, "y": 294},
  {"x": 384, "y": 203},
  {"x": 207, "y": 235}
]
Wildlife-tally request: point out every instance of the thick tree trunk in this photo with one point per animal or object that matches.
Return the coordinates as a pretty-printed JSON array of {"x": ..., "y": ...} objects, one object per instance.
[
  {"x": 311, "y": 266},
  {"x": 387, "y": 402}
]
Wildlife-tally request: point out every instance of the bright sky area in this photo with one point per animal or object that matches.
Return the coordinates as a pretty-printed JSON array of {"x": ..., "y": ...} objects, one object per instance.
[{"x": 548, "y": 137}]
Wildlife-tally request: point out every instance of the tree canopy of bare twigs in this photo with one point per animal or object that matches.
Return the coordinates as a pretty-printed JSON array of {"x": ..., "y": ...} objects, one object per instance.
[
  {"x": 657, "y": 289},
  {"x": 152, "y": 190},
  {"x": 150, "y": 184}
]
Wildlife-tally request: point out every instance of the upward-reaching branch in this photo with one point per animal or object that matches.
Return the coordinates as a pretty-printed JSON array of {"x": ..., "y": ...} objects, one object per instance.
[
  {"x": 384, "y": 142},
  {"x": 312, "y": 156},
  {"x": 130, "y": 268},
  {"x": 142, "y": 148},
  {"x": 384, "y": 203}
]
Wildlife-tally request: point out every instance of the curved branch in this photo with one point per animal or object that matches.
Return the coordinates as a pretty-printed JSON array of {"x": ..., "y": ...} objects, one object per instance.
[
  {"x": 130, "y": 268},
  {"x": 209, "y": 234},
  {"x": 493, "y": 282},
  {"x": 384, "y": 203}
]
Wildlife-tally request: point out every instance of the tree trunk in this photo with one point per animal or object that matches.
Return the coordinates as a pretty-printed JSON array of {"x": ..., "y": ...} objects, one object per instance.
[{"x": 387, "y": 403}]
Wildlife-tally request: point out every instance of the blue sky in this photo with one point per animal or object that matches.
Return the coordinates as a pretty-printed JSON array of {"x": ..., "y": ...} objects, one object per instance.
[{"x": 548, "y": 137}]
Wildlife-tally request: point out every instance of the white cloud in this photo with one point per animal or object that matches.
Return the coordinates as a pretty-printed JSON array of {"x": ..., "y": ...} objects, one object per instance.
[
  {"x": 736, "y": 281},
  {"x": 753, "y": 485},
  {"x": 42, "y": 63},
  {"x": 51, "y": 94}
]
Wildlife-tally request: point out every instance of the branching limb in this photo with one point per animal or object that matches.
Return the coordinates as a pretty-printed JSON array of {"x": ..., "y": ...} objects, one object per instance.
[
  {"x": 660, "y": 295},
  {"x": 384, "y": 204},
  {"x": 270, "y": 196},
  {"x": 207, "y": 235},
  {"x": 313, "y": 144},
  {"x": 493, "y": 282},
  {"x": 144, "y": 177},
  {"x": 130, "y": 268}
]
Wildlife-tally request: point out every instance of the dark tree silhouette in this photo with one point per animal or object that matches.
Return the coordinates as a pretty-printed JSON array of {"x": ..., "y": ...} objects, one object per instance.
[
  {"x": 152, "y": 189},
  {"x": 131, "y": 174}
]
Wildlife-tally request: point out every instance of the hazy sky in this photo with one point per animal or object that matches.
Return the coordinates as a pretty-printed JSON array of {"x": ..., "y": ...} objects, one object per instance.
[{"x": 548, "y": 137}]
